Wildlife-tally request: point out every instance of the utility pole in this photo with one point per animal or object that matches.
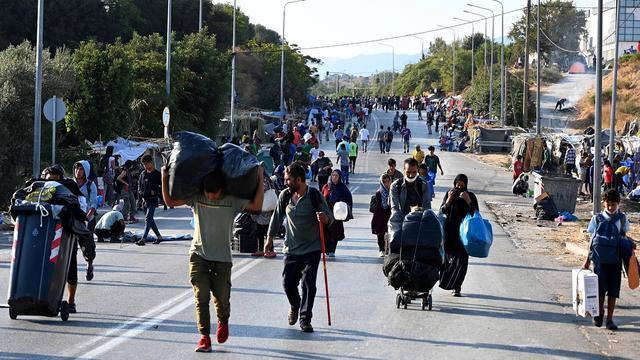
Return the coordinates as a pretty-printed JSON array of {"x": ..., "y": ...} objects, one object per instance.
[
  {"x": 597, "y": 161},
  {"x": 614, "y": 91},
  {"x": 37, "y": 115},
  {"x": 538, "y": 66},
  {"x": 525, "y": 96}
]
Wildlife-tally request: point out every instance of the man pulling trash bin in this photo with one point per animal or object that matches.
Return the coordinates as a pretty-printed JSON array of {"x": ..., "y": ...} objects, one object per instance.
[{"x": 304, "y": 208}]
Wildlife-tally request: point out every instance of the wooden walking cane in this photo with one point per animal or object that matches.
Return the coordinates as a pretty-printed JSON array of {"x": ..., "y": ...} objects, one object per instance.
[{"x": 324, "y": 266}]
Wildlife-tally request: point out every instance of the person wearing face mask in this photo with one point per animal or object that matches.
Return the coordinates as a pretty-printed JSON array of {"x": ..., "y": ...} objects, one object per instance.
[
  {"x": 304, "y": 209},
  {"x": 382, "y": 212},
  {"x": 409, "y": 192},
  {"x": 456, "y": 205},
  {"x": 210, "y": 259},
  {"x": 334, "y": 192}
]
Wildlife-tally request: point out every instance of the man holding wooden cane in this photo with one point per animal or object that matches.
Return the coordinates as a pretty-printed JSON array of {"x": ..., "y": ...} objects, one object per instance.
[{"x": 304, "y": 209}]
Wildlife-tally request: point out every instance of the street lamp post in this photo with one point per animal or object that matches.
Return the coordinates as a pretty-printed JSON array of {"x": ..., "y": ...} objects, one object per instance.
[
  {"x": 486, "y": 34},
  {"x": 453, "y": 49},
  {"x": 421, "y": 46},
  {"x": 538, "y": 124},
  {"x": 493, "y": 17},
  {"x": 284, "y": 8},
  {"x": 503, "y": 71},
  {"x": 614, "y": 90},
  {"x": 37, "y": 114},
  {"x": 200, "y": 17},
  {"x": 168, "y": 62},
  {"x": 597, "y": 165},
  {"x": 233, "y": 71},
  {"x": 393, "y": 67},
  {"x": 473, "y": 50}
]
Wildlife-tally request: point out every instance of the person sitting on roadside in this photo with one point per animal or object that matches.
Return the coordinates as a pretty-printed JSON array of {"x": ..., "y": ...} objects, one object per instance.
[{"x": 521, "y": 186}]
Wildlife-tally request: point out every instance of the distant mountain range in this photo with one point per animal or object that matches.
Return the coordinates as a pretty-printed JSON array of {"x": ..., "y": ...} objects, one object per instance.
[{"x": 365, "y": 65}]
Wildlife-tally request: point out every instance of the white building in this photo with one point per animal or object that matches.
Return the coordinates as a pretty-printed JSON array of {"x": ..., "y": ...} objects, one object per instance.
[{"x": 629, "y": 28}]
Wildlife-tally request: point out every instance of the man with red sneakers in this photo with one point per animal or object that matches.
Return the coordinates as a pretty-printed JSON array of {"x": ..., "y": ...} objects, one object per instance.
[{"x": 210, "y": 254}]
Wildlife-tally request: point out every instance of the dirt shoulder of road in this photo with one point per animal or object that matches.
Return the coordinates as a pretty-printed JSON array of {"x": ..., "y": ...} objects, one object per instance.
[{"x": 567, "y": 242}]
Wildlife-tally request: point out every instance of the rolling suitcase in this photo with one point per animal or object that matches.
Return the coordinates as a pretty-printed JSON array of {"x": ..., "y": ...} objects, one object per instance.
[{"x": 40, "y": 259}]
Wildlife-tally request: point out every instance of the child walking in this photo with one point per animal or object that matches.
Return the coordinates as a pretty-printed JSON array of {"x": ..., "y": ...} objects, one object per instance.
[{"x": 608, "y": 230}]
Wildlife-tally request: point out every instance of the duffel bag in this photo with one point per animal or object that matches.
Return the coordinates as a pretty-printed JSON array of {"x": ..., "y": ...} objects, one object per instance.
[{"x": 192, "y": 158}]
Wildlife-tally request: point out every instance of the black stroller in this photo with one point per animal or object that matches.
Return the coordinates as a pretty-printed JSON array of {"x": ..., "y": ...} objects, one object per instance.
[{"x": 416, "y": 256}]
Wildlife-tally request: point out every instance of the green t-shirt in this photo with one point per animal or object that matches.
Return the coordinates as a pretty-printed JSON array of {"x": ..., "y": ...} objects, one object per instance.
[
  {"x": 353, "y": 149},
  {"x": 108, "y": 219},
  {"x": 214, "y": 225}
]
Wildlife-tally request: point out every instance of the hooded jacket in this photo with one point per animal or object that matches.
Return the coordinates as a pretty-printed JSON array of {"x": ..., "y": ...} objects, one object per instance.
[{"x": 88, "y": 189}]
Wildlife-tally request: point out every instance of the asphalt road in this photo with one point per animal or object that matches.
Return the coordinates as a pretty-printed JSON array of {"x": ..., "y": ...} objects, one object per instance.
[
  {"x": 140, "y": 304},
  {"x": 572, "y": 87}
]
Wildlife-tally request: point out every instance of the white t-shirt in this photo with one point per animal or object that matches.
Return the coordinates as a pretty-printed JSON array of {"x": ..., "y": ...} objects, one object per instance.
[
  {"x": 366, "y": 111},
  {"x": 364, "y": 134},
  {"x": 314, "y": 154}
]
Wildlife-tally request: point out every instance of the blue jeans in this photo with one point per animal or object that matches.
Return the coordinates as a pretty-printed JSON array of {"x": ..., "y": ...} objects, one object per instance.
[
  {"x": 150, "y": 223},
  {"x": 382, "y": 146},
  {"x": 345, "y": 173}
]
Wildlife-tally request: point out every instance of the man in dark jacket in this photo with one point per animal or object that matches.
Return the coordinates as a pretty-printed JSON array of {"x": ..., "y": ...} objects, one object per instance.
[{"x": 150, "y": 188}]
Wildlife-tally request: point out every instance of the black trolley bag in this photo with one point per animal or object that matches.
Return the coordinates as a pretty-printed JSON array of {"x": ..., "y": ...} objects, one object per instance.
[{"x": 40, "y": 259}]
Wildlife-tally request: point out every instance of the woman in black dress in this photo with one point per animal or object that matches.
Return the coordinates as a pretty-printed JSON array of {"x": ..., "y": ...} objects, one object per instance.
[{"x": 457, "y": 203}]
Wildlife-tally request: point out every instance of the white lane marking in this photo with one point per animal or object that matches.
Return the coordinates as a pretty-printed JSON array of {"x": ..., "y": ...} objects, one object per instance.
[
  {"x": 158, "y": 314},
  {"x": 354, "y": 189}
]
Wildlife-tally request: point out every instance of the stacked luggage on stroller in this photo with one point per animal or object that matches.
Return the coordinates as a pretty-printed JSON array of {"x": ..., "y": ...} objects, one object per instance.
[
  {"x": 48, "y": 221},
  {"x": 415, "y": 257}
]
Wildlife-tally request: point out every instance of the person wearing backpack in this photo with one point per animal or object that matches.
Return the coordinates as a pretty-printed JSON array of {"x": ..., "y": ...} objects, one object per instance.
[
  {"x": 381, "y": 209},
  {"x": 108, "y": 166},
  {"x": 304, "y": 208},
  {"x": 608, "y": 230},
  {"x": 388, "y": 139}
]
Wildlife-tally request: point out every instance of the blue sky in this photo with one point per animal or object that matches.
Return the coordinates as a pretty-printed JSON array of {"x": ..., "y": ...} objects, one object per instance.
[{"x": 323, "y": 22}]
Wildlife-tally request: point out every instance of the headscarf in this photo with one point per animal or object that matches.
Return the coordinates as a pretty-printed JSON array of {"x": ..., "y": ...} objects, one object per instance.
[
  {"x": 384, "y": 194},
  {"x": 339, "y": 191},
  {"x": 463, "y": 178}
]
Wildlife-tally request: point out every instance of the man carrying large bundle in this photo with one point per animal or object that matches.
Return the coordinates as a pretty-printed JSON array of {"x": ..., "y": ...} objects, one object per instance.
[{"x": 214, "y": 209}]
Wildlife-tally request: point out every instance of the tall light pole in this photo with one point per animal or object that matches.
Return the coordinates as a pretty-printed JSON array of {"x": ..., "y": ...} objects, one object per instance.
[
  {"x": 284, "y": 9},
  {"x": 200, "y": 17},
  {"x": 37, "y": 114},
  {"x": 486, "y": 34},
  {"x": 233, "y": 71},
  {"x": 614, "y": 90},
  {"x": 493, "y": 17},
  {"x": 597, "y": 165},
  {"x": 393, "y": 68},
  {"x": 453, "y": 48},
  {"x": 538, "y": 124},
  {"x": 421, "y": 45},
  {"x": 473, "y": 49},
  {"x": 168, "y": 61},
  {"x": 525, "y": 90},
  {"x": 503, "y": 71}
]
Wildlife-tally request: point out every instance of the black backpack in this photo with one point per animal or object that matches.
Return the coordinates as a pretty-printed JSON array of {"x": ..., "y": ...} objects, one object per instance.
[
  {"x": 605, "y": 243},
  {"x": 373, "y": 203}
]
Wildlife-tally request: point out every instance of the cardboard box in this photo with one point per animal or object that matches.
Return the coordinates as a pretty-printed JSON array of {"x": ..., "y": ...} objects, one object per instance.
[{"x": 585, "y": 293}]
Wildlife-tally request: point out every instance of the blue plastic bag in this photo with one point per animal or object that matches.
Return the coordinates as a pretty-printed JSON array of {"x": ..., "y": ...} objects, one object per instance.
[{"x": 476, "y": 235}]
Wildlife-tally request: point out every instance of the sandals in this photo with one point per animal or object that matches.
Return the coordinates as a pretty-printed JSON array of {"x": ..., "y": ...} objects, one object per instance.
[{"x": 270, "y": 254}]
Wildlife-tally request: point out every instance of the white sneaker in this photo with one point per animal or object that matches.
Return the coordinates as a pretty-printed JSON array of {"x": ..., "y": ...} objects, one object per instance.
[{"x": 381, "y": 254}]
